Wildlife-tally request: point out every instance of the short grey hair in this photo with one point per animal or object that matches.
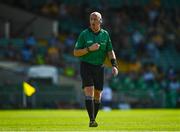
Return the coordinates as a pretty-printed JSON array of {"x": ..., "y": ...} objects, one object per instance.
[{"x": 98, "y": 15}]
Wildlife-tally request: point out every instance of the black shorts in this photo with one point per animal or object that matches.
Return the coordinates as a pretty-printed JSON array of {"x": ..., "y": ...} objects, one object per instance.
[{"x": 92, "y": 75}]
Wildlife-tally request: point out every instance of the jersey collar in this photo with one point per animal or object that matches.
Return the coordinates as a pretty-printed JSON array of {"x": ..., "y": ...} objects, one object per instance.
[{"x": 90, "y": 30}]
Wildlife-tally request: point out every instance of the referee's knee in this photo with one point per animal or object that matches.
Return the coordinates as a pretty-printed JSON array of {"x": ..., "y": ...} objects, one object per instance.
[
  {"x": 97, "y": 95},
  {"x": 89, "y": 91}
]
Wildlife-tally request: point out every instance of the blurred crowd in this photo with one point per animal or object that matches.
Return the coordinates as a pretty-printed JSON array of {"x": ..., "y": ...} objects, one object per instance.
[{"x": 139, "y": 34}]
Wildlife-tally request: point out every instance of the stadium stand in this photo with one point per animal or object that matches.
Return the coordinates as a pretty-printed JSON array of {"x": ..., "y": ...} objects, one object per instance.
[{"x": 145, "y": 34}]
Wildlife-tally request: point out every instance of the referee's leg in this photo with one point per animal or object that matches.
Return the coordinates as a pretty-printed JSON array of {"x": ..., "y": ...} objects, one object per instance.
[
  {"x": 88, "y": 87},
  {"x": 89, "y": 101},
  {"x": 98, "y": 78},
  {"x": 97, "y": 101},
  {"x": 89, "y": 97}
]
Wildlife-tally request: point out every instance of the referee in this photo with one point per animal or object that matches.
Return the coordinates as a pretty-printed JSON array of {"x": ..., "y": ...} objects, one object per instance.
[{"x": 92, "y": 47}]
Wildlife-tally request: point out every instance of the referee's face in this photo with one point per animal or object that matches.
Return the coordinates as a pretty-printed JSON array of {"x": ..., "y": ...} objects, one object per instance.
[{"x": 95, "y": 22}]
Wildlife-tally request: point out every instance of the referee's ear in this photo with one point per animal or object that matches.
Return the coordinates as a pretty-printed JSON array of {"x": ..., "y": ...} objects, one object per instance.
[{"x": 101, "y": 21}]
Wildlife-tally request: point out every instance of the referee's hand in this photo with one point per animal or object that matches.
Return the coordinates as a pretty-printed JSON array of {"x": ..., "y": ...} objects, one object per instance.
[
  {"x": 94, "y": 47},
  {"x": 114, "y": 71}
]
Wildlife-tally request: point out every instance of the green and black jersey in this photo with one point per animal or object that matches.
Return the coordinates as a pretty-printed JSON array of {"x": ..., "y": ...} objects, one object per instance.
[{"x": 87, "y": 38}]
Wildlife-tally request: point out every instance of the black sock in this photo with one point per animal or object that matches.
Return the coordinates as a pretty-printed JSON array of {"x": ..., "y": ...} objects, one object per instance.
[
  {"x": 96, "y": 107},
  {"x": 90, "y": 107}
]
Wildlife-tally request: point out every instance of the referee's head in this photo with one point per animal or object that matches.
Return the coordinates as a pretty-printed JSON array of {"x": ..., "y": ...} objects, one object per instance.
[{"x": 95, "y": 21}]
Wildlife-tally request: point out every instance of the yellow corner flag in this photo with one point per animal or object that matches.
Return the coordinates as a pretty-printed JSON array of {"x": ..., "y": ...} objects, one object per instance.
[{"x": 28, "y": 89}]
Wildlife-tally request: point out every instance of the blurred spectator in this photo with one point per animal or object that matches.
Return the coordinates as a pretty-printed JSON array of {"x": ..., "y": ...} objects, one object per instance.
[
  {"x": 171, "y": 73},
  {"x": 137, "y": 39},
  {"x": 11, "y": 52},
  {"x": 63, "y": 11},
  {"x": 135, "y": 66},
  {"x": 153, "y": 15},
  {"x": 31, "y": 40},
  {"x": 53, "y": 41},
  {"x": 152, "y": 50},
  {"x": 27, "y": 54},
  {"x": 158, "y": 40},
  {"x": 53, "y": 55},
  {"x": 107, "y": 98},
  {"x": 174, "y": 88},
  {"x": 69, "y": 70},
  {"x": 50, "y": 8},
  {"x": 69, "y": 43},
  {"x": 40, "y": 59},
  {"x": 149, "y": 76}
]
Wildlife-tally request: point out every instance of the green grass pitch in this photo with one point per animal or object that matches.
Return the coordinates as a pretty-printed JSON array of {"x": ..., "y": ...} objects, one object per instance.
[{"x": 77, "y": 120}]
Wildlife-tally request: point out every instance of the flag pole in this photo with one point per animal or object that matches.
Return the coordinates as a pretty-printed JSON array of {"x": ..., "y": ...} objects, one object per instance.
[
  {"x": 28, "y": 90},
  {"x": 24, "y": 100}
]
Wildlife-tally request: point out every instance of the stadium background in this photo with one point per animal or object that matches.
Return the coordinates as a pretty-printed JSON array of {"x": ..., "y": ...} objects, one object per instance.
[{"x": 145, "y": 35}]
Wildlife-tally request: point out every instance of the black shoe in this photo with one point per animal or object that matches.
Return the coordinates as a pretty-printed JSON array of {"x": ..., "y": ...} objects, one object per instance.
[{"x": 93, "y": 124}]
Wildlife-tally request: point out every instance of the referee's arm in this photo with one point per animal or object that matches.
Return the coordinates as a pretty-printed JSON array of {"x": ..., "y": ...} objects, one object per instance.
[
  {"x": 112, "y": 58},
  {"x": 111, "y": 55},
  {"x": 80, "y": 52}
]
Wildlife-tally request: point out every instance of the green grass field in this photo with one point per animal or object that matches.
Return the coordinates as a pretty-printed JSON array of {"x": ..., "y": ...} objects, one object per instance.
[{"x": 77, "y": 120}]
